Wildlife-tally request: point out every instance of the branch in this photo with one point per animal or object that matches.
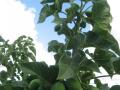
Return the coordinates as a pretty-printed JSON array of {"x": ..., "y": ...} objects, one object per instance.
[
  {"x": 87, "y": 8},
  {"x": 104, "y": 76},
  {"x": 82, "y": 6},
  {"x": 64, "y": 13}
]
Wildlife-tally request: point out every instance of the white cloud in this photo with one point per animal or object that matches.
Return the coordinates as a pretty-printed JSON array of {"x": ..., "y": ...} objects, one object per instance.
[
  {"x": 16, "y": 20},
  {"x": 115, "y": 5}
]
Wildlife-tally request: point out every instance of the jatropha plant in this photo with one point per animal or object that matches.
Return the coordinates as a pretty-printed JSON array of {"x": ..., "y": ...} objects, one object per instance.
[{"x": 85, "y": 24}]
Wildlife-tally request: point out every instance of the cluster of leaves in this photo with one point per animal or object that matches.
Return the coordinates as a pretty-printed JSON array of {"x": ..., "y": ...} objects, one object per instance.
[
  {"x": 75, "y": 64},
  {"x": 12, "y": 55},
  {"x": 72, "y": 56}
]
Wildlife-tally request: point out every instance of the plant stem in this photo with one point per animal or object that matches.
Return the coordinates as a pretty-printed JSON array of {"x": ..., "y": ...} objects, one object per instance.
[{"x": 78, "y": 78}]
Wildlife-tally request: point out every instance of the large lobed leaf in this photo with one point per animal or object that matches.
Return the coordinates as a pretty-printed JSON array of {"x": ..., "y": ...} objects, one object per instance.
[
  {"x": 89, "y": 65},
  {"x": 101, "y": 15},
  {"x": 103, "y": 40},
  {"x": 104, "y": 59},
  {"x": 41, "y": 69},
  {"x": 70, "y": 66},
  {"x": 35, "y": 68},
  {"x": 66, "y": 69}
]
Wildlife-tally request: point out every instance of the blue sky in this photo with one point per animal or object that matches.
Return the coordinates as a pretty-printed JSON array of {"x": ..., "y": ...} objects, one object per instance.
[{"x": 45, "y": 30}]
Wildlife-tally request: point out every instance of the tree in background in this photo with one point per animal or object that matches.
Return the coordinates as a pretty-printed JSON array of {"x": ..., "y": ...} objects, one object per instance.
[
  {"x": 75, "y": 65},
  {"x": 12, "y": 55}
]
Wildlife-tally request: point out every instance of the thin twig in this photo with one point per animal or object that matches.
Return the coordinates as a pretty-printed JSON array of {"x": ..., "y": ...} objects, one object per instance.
[
  {"x": 103, "y": 76},
  {"x": 64, "y": 13},
  {"x": 87, "y": 8},
  {"x": 78, "y": 78},
  {"x": 82, "y": 7}
]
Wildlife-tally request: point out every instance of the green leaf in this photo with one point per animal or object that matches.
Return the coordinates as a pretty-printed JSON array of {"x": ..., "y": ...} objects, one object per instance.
[
  {"x": 93, "y": 39},
  {"x": 53, "y": 73},
  {"x": 59, "y": 30},
  {"x": 69, "y": 66},
  {"x": 73, "y": 84},
  {"x": 58, "y": 86},
  {"x": 90, "y": 87},
  {"x": 66, "y": 70},
  {"x": 19, "y": 84},
  {"x": 76, "y": 41},
  {"x": 29, "y": 78},
  {"x": 72, "y": 12},
  {"x": 78, "y": 57},
  {"x": 57, "y": 20},
  {"x": 46, "y": 11},
  {"x": 89, "y": 65},
  {"x": 115, "y": 87},
  {"x": 41, "y": 88},
  {"x": 104, "y": 87},
  {"x": 6, "y": 87},
  {"x": 1, "y": 87},
  {"x": 97, "y": 82},
  {"x": 41, "y": 69},
  {"x": 117, "y": 66},
  {"x": 100, "y": 85},
  {"x": 103, "y": 58},
  {"x": 3, "y": 75},
  {"x": 58, "y": 4},
  {"x": 101, "y": 15},
  {"x": 79, "y": 41},
  {"x": 55, "y": 46},
  {"x": 102, "y": 40},
  {"x": 86, "y": 76},
  {"x": 47, "y": 1},
  {"x": 113, "y": 42},
  {"x": 63, "y": 29},
  {"x": 35, "y": 68},
  {"x": 17, "y": 88},
  {"x": 1, "y": 39}
]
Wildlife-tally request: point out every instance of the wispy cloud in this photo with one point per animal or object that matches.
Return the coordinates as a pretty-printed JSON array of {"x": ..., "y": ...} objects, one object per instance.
[{"x": 16, "y": 20}]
